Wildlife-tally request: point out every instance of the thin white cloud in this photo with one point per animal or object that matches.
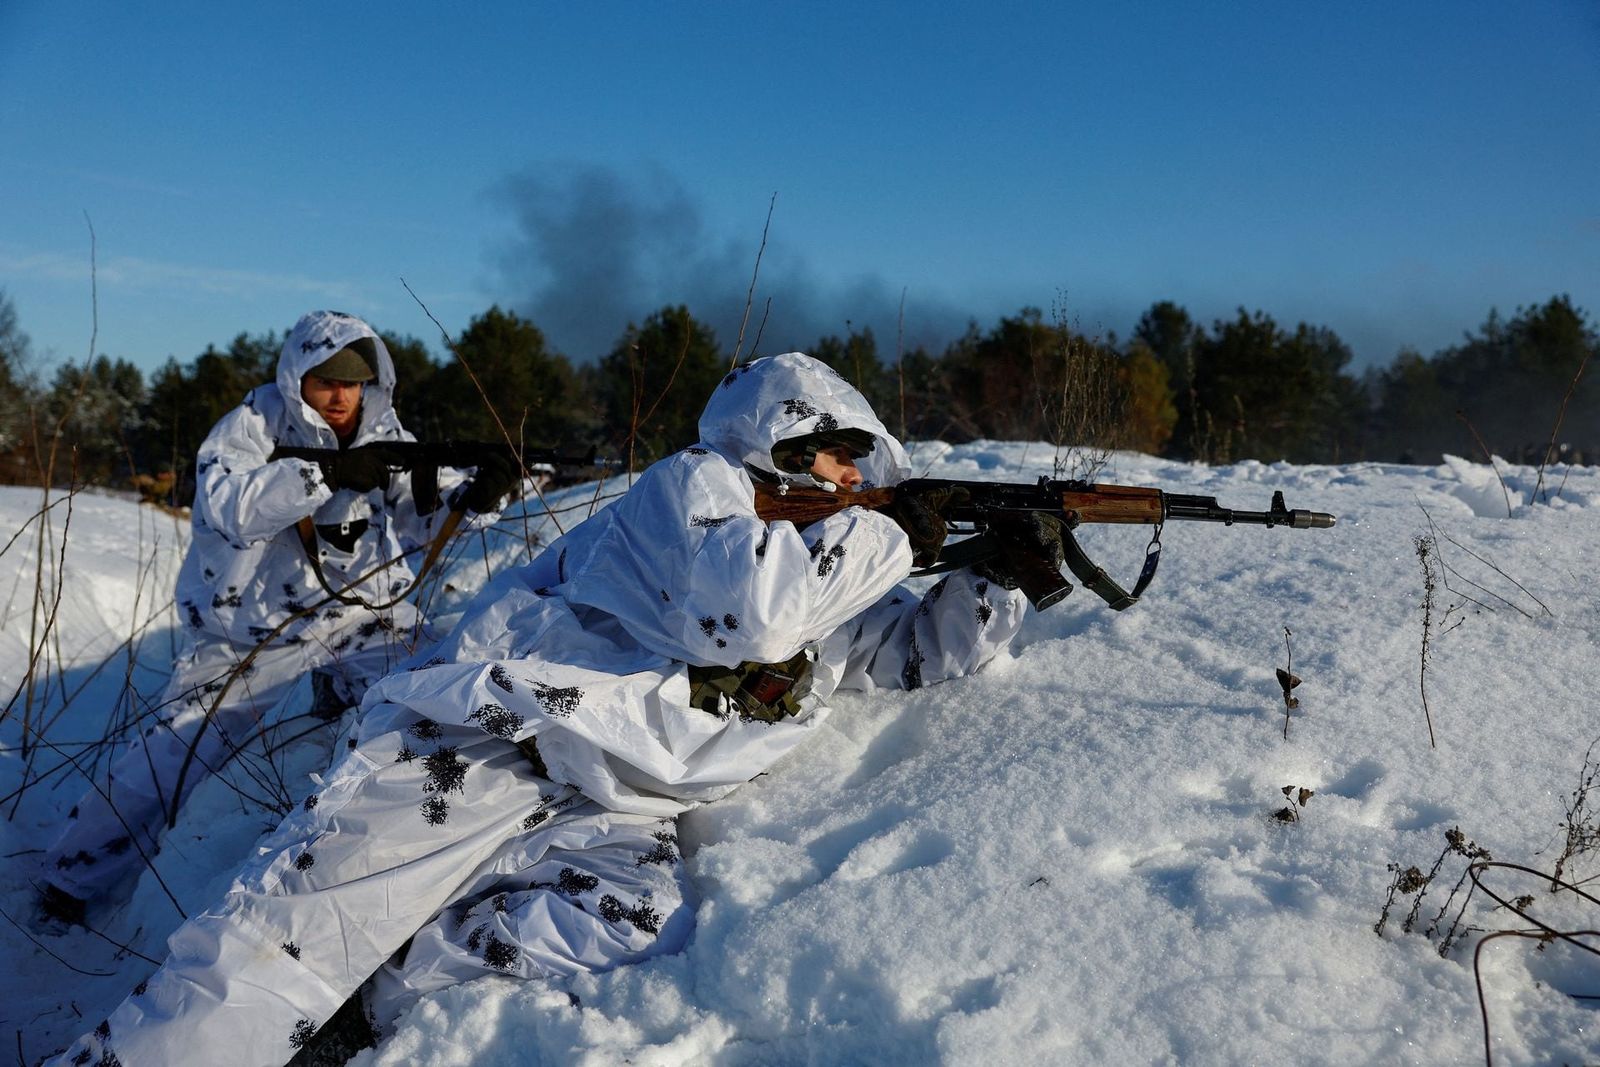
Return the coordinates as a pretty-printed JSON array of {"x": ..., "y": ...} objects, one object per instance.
[
  {"x": 116, "y": 181},
  {"x": 136, "y": 273}
]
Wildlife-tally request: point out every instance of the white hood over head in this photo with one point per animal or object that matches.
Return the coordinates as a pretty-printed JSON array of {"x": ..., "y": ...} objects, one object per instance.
[
  {"x": 776, "y": 398},
  {"x": 314, "y": 338}
]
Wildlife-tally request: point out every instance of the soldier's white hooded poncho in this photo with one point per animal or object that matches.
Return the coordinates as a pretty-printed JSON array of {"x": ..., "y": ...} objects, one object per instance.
[
  {"x": 246, "y": 571},
  {"x": 507, "y": 807},
  {"x": 245, "y": 574}
]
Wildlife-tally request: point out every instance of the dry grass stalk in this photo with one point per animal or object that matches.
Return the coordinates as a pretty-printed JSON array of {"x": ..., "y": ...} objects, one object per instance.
[
  {"x": 899, "y": 360},
  {"x": 1555, "y": 431},
  {"x": 1447, "y": 571},
  {"x": 1487, "y": 458},
  {"x": 750, "y": 294},
  {"x": 1424, "y": 546},
  {"x": 1083, "y": 415},
  {"x": 1287, "y": 681},
  {"x": 514, "y": 444}
]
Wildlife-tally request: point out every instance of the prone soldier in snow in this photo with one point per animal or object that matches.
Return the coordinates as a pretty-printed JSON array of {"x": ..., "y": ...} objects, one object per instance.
[
  {"x": 269, "y": 537},
  {"x": 509, "y": 806}
]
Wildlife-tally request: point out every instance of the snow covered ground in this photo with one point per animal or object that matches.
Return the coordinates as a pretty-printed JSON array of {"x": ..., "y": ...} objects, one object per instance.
[{"x": 1072, "y": 857}]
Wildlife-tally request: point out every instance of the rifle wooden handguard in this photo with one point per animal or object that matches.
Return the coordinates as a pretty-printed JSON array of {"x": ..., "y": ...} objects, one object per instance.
[{"x": 1116, "y": 504}]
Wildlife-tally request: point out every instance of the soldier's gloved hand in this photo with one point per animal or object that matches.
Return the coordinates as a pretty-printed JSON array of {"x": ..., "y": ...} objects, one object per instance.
[
  {"x": 1034, "y": 535},
  {"x": 497, "y": 473},
  {"x": 361, "y": 469},
  {"x": 921, "y": 515}
]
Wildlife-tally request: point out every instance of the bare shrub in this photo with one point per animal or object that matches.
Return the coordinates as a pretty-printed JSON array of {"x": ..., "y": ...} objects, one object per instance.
[{"x": 1081, "y": 399}]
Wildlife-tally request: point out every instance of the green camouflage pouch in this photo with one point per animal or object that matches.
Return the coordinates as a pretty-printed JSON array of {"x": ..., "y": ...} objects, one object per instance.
[{"x": 765, "y": 692}]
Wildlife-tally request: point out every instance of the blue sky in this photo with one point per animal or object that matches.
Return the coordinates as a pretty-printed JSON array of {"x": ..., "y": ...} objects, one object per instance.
[{"x": 1391, "y": 171}]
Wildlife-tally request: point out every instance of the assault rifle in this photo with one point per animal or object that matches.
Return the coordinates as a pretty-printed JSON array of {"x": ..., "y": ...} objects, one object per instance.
[
  {"x": 994, "y": 512},
  {"x": 424, "y": 458}
]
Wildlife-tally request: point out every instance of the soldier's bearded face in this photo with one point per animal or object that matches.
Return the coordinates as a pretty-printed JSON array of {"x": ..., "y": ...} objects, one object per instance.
[{"x": 339, "y": 403}]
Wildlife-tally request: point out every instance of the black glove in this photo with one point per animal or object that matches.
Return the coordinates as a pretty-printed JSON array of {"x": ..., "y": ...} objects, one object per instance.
[
  {"x": 921, "y": 516},
  {"x": 497, "y": 473},
  {"x": 1034, "y": 535},
  {"x": 361, "y": 469}
]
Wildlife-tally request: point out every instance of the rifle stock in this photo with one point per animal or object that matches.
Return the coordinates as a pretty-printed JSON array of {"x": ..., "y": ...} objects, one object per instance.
[{"x": 803, "y": 506}]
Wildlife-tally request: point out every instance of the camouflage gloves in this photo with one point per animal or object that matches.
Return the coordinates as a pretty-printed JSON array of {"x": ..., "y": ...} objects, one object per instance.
[
  {"x": 497, "y": 473},
  {"x": 1033, "y": 536},
  {"x": 921, "y": 516},
  {"x": 359, "y": 469}
]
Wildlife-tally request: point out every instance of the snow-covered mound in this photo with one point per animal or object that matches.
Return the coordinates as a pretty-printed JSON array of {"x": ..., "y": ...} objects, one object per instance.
[{"x": 1084, "y": 854}]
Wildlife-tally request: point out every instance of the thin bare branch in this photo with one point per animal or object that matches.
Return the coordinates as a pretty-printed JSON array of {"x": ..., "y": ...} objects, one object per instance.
[
  {"x": 1490, "y": 564},
  {"x": 1488, "y": 458},
  {"x": 750, "y": 294},
  {"x": 1424, "y": 547},
  {"x": 42, "y": 947},
  {"x": 899, "y": 359},
  {"x": 1561, "y": 415},
  {"x": 476, "y": 384}
]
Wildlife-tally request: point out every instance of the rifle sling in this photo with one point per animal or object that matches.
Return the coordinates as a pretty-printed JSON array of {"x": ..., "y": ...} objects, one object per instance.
[
  {"x": 964, "y": 553},
  {"x": 308, "y": 541},
  {"x": 425, "y": 487},
  {"x": 1095, "y": 577},
  {"x": 976, "y": 549}
]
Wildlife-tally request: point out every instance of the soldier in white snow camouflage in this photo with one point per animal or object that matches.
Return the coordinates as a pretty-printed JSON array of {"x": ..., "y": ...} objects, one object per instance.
[
  {"x": 508, "y": 807},
  {"x": 246, "y": 584}
]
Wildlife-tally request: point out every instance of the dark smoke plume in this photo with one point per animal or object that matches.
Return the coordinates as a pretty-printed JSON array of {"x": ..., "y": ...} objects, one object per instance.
[{"x": 595, "y": 249}]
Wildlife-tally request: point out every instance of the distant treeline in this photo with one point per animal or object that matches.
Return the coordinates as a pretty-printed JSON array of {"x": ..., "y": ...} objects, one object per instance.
[{"x": 1240, "y": 388}]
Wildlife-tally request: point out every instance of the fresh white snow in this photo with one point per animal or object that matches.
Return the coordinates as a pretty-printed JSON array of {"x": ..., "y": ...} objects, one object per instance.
[{"x": 1071, "y": 857}]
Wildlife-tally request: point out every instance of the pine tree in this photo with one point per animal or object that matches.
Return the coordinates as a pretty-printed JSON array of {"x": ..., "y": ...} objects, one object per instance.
[{"x": 654, "y": 383}]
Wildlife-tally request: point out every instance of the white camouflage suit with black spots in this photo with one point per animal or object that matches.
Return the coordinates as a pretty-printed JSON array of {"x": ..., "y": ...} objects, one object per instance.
[
  {"x": 438, "y": 828},
  {"x": 245, "y": 573}
]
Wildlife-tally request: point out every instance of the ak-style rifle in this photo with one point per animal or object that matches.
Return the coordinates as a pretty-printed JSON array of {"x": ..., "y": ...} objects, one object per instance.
[
  {"x": 407, "y": 455},
  {"x": 424, "y": 458},
  {"x": 995, "y": 511}
]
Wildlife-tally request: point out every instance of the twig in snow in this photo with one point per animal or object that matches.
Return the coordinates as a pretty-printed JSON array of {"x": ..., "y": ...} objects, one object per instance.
[
  {"x": 1561, "y": 415},
  {"x": 1501, "y": 573},
  {"x": 1425, "y": 545},
  {"x": 1487, "y": 457},
  {"x": 1287, "y": 679},
  {"x": 46, "y": 949},
  {"x": 1543, "y": 933},
  {"x": 1580, "y": 822}
]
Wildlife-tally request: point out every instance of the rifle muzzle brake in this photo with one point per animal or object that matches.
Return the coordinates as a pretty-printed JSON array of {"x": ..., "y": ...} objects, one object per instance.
[{"x": 1299, "y": 518}]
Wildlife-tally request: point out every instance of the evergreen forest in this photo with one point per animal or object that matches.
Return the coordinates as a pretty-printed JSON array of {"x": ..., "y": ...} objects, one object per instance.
[{"x": 1246, "y": 387}]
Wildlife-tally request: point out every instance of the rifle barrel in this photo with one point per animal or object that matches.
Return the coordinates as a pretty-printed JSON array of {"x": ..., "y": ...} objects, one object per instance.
[{"x": 1206, "y": 509}]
